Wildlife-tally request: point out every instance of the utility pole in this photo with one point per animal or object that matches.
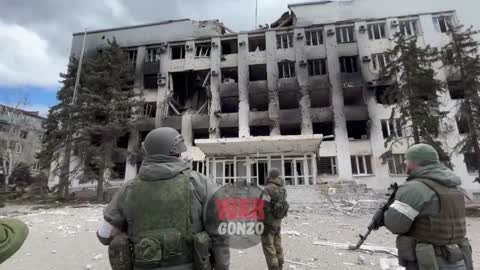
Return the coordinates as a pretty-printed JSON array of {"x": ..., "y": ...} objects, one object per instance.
[
  {"x": 65, "y": 172},
  {"x": 256, "y": 14}
]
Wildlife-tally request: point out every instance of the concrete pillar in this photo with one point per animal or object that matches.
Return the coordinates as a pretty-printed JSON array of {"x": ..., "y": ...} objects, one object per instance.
[
  {"x": 302, "y": 79},
  {"x": 215, "y": 81},
  {"x": 272, "y": 82},
  {"x": 341, "y": 136},
  {"x": 131, "y": 169},
  {"x": 163, "y": 91},
  {"x": 243, "y": 79},
  {"x": 187, "y": 128},
  {"x": 139, "y": 62}
]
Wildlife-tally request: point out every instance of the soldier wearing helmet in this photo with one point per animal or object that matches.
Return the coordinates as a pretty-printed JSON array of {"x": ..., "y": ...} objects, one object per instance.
[{"x": 156, "y": 221}]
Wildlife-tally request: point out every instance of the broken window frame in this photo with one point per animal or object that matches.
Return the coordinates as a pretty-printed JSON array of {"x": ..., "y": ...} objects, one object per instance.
[
  {"x": 235, "y": 40},
  {"x": 380, "y": 61},
  {"x": 229, "y": 70},
  {"x": 409, "y": 28},
  {"x": 257, "y": 37},
  {"x": 396, "y": 165},
  {"x": 149, "y": 109},
  {"x": 349, "y": 64},
  {"x": 250, "y": 72},
  {"x": 132, "y": 56},
  {"x": 199, "y": 166},
  {"x": 361, "y": 163},
  {"x": 314, "y": 37},
  {"x": 345, "y": 34},
  {"x": 286, "y": 69},
  {"x": 182, "y": 51},
  {"x": 470, "y": 162},
  {"x": 317, "y": 67},
  {"x": 391, "y": 127},
  {"x": 376, "y": 31},
  {"x": 327, "y": 166},
  {"x": 152, "y": 55},
  {"x": 151, "y": 83},
  {"x": 455, "y": 91},
  {"x": 284, "y": 41},
  {"x": 441, "y": 23},
  {"x": 203, "y": 49}
]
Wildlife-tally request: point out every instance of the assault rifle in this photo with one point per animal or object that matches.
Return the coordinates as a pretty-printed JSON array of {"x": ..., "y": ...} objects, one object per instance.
[{"x": 377, "y": 220}]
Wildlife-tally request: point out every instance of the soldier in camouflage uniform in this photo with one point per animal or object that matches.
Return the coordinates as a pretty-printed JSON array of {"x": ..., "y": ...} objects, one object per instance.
[
  {"x": 428, "y": 215},
  {"x": 156, "y": 221},
  {"x": 271, "y": 238}
]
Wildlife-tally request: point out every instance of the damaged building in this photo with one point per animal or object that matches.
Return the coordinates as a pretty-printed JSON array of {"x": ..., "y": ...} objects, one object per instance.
[{"x": 249, "y": 101}]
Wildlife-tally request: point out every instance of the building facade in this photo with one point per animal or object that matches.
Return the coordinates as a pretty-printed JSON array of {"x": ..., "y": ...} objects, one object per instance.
[
  {"x": 24, "y": 132},
  {"x": 302, "y": 95}
]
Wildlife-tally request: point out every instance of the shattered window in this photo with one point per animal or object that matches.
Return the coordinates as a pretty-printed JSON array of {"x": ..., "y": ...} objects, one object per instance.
[
  {"x": 345, "y": 34},
  {"x": 153, "y": 55},
  {"x": 391, "y": 127},
  {"x": 455, "y": 91},
  {"x": 150, "y": 109},
  {"x": 376, "y": 31},
  {"x": 286, "y": 69},
  {"x": 470, "y": 162},
  {"x": 257, "y": 72},
  {"x": 317, "y": 67},
  {"x": 348, "y": 64},
  {"x": 396, "y": 164},
  {"x": 284, "y": 41},
  {"x": 202, "y": 49},
  {"x": 256, "y": 43},
  {"x": 314, "y": 37},
  {"x": 178, "y": 51},
  {"x": 442, "y": 23},
  {"x": 409, "y": 28},
  {"x": 327, "y": 166},
  {"x": 380, "y": 60},
  {"x": 229, "y": 46},
  {"x": 361, "y": 165},
  {"x": 132, "y": 56}
]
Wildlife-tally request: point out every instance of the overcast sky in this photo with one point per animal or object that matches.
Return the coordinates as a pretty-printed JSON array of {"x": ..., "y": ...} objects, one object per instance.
[{"x": 35, "y": 36}]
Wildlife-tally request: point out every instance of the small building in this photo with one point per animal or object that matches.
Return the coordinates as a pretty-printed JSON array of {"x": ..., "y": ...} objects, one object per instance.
[{"x": 24, "y": 132}]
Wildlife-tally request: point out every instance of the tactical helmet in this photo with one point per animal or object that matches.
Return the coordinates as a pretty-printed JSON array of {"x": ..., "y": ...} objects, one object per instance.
[
  {"x": 164, "y": 141},
  {"x": 273, "y": 173}
]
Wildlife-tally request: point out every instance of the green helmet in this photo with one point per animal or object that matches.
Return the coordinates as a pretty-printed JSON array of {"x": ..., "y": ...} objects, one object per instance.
[{"x": 164, "y": 141}]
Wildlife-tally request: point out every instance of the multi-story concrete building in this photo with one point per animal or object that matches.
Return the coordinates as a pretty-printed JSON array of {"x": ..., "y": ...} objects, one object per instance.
[
  {"x": 252, "y": 100},
  {"x": 23, "y": 131}
]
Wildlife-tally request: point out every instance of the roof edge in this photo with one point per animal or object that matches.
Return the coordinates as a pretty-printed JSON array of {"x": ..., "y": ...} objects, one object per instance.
[{"x": 131, "y": 26}]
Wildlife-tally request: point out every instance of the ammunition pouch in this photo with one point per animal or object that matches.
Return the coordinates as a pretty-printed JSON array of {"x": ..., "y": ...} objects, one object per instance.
[
  {"x": 406, "y": 250},
  {"x": 451, "y": 253},
  {"x": 120, "y": 252},
  {"x": 161, "y": 248},
  {"x": 466, "y": 249},
  {"x": 201, "y": 251},
  {"x": 426, "y": 257}
]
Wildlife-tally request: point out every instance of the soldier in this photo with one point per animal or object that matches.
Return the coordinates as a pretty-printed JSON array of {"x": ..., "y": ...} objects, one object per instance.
[
  {"x": 428, "y": 214},
  {"x": 276, "y": 209},
  {"x": 161, "y": 213},
  {"x": 13, "y": 233}
]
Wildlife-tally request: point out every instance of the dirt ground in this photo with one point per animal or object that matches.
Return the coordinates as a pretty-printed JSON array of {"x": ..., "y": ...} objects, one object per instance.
[{"x": 64, "y": 238}]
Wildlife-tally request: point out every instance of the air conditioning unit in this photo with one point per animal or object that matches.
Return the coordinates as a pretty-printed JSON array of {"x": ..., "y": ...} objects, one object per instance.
[
  {"x": 330, "y": 32},
  {"x": 241, "y": 43},
  {"x": 214, "y": 45},
  {"x": 449, "y": 127},
  {"x": 161, "y": 79},
  {"x": 362, "y": 29},
  {"x": 214, "y": 73},
  {"x": 302, "y": 63},
  {"x": 394, "y": 24},
  {"x": 366, "y": 59},
  {"x": 299, "y": 36},
  {"x": 188, "y": 48}
]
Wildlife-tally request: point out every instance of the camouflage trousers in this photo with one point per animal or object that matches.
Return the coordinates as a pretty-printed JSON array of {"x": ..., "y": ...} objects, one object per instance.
[{"x": 272, "y": 248}]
